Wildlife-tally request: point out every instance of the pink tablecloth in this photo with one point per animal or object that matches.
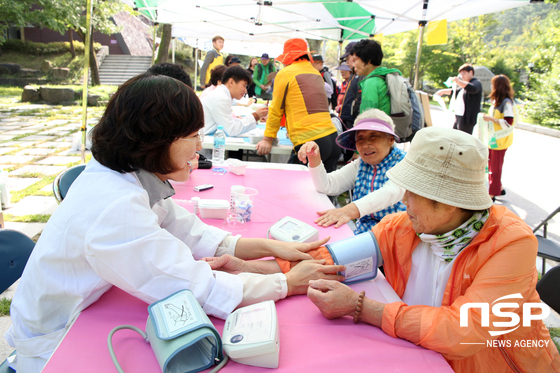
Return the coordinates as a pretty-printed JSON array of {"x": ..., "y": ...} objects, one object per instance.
[
  {"x": 308, "y": 342},
  {"x": 281, "y": 193}
]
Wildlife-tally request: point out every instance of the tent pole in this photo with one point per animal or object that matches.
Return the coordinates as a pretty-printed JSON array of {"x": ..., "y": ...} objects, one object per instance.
[
  {"x": 86, "y": 76},
  {"x": 196, "y": 65},
  {"x": 421, "y": 26},
  {"x": 418, "y": 55}
]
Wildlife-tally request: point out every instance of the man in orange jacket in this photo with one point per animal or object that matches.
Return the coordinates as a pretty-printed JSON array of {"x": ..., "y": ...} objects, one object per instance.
[{"x": 299, "y": 94}]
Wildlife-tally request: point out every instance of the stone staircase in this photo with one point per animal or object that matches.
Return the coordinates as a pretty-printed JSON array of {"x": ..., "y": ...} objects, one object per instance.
[{"x": 117, "y": 69}]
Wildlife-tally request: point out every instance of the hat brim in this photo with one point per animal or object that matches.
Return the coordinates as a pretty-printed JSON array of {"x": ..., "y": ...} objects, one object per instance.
[
  {"x": 347, "y": 139},
  {"x": 288, "y": 58},
  {"x": 467, "y": 193}
]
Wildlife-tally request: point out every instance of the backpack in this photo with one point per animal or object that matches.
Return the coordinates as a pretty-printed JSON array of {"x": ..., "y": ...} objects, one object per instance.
[
  {"x": 406, "y": 110},
  {"x": 336, "y": 91}
]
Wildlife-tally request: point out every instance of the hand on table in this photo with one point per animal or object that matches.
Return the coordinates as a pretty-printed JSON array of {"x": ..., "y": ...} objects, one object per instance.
[
  {"x": 294, "y": 251},
  {"x": 300, "y": 276},
  {"x": 337, "y": 216},
  {"x": 264, "y": 147},
  {"x": 332, "y": 298}
]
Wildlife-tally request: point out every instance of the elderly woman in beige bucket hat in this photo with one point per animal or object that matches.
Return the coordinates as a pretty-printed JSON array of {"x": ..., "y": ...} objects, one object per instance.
[{"x": 452, "y": 247}]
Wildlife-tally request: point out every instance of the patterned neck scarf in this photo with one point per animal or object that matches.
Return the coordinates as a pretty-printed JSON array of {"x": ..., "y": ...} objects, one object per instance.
[
  {"x": 448, "y": 245},
  {"x": 371, "y": 178}
]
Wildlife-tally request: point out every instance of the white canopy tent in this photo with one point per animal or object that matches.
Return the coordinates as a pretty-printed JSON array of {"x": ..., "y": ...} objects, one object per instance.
[{"x": 278, "y": 20}]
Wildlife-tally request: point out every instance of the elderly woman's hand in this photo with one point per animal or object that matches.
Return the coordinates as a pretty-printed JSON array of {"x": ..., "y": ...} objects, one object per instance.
[
  {"x": 310, "y": 152},
  {"x": 332, "y": 298},
  {"x": 302, "y": 274},
  {"x": 337, "y": 216}
]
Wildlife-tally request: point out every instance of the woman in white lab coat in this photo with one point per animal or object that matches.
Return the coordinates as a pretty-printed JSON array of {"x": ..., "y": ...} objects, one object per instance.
[{"x": 118, "y": 226}]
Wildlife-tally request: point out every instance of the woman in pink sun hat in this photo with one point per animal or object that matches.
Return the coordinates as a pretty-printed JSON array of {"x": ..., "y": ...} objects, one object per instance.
[{"x": 373, "y": 137}]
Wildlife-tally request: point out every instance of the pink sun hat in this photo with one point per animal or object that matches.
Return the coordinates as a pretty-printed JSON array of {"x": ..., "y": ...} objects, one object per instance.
[{"x": 347, "y": 139}]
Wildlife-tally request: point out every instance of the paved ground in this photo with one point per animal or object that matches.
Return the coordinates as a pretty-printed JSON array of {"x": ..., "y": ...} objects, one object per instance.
[{"x": 36, "y": 142}]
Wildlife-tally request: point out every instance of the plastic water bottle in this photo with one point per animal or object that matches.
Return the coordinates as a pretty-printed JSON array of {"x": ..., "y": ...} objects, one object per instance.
[
  {"x": 219, "y": 147},
  {"x": 4, "y": 191}
]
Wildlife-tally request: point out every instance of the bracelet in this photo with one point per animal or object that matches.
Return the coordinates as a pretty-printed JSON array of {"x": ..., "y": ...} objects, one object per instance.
[{"x": 359, "y": 305}]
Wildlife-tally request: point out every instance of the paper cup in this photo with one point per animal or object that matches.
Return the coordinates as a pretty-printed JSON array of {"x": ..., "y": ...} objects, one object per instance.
[{"x": 242, "y": 200}]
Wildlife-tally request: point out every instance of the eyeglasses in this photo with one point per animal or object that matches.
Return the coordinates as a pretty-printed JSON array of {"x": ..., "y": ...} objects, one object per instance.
[{"x": 198, "y": 138}]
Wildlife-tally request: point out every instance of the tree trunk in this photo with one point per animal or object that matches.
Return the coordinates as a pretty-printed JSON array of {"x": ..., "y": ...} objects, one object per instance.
[
  {"x": 164, "y": 46},
  {"x": 93, "y": 64},
  {"x": 315, "y": 46},
  {"x": 72, "y": 50},
  {"x": 22, "y": 33},
  {"x": 93, "y": 68}
]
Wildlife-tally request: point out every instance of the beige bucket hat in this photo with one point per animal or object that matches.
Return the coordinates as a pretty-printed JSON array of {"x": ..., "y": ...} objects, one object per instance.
[{"x": 447, "y": 166}]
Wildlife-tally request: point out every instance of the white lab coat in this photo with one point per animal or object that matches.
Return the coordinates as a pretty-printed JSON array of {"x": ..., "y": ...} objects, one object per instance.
[
  {"x": 217, "y": 112},
  {"x": 105, "y": 233}
]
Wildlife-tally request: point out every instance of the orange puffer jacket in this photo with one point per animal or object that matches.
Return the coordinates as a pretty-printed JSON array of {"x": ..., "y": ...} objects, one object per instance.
[{"x": 499, "y": 261}]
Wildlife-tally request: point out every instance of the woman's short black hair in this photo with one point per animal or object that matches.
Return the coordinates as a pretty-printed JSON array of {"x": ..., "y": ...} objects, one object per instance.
[
  {"x": 368, "y": 51},
  {"x": 142, "y": 119},
  {"x": 237, "y": 73},
  {"x": 216, "y": 75},
  {"x": 173, "y": 70}
]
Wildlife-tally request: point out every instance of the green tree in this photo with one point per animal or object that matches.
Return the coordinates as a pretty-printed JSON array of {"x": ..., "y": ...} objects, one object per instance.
[
  {"x": 14, "y": 13},
  {"x": 544, "y": 53},
  {"x": 61, "y": 16}
]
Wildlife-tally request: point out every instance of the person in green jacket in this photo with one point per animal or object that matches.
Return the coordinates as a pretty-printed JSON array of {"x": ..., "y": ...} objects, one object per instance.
[
  {"x": 368, "y": 56},
  {"x": 259, "y": 77}
]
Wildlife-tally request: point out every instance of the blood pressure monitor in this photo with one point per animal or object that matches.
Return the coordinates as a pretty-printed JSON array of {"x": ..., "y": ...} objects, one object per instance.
[
  {"x": 251, "y": 335},
  {"x": 289, "y": 229}
]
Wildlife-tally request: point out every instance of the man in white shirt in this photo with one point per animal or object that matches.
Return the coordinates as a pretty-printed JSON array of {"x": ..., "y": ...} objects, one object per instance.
[{"x": 217, "y": 104}]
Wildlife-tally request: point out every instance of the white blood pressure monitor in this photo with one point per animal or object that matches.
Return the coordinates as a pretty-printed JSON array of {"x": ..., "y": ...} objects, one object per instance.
[{"x": 289, "y": 229}]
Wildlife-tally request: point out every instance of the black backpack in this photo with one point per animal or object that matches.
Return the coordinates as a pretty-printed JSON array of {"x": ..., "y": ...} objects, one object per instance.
[{"x": 336, "y": 91}]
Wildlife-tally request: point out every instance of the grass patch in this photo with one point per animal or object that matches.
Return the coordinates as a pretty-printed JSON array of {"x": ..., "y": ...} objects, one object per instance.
[
  {"x": 34, "y": 189},
  {"x": 6, "y": 91},
  {"x": 35, "y": 218},
  {"x": 5, "y": 307}
]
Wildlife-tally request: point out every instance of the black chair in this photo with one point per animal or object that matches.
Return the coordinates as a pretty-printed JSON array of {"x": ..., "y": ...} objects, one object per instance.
[
  {"x": 548, "y": 249},
  {"x": 15, "y": 249},
  {"x": 548, "y": 288},
  {"x": 64, "y": 180}
]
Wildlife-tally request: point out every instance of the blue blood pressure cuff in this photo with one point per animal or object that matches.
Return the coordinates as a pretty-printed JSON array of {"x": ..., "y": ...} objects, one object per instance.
[
  {"x": 181, "y": 335},
  {"x": 360, "y": 255}
]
